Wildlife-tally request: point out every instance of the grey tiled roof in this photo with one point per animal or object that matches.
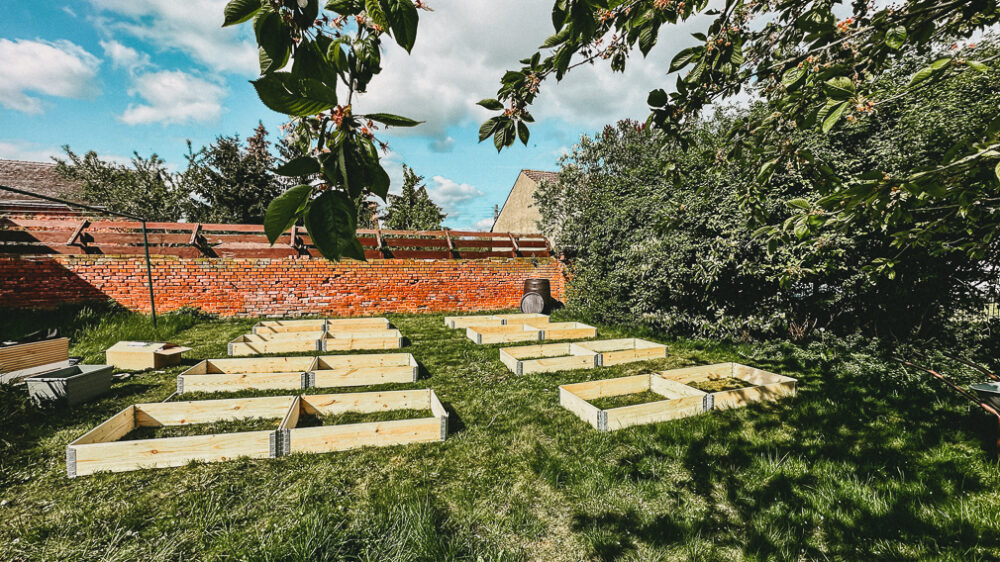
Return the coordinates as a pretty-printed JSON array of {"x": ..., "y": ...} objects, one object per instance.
[{"x": 36, "y": 177}]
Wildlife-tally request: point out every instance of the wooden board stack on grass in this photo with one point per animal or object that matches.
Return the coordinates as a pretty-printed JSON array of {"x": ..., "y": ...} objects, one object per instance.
[{"x": 668, "y": 395}]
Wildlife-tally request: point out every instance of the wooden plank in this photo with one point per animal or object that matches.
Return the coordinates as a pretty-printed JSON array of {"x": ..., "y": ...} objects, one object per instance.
[
  {"x": 233, "y": 382},
  {"x": 26, "y": 359},
  {"x": 174, "y": 451},
  {"x": 553, "y": 364},
  {"x": 699, "y": 373},
  {"x": 585, "y": 411},
  {"x": 111, "y": 429},
  {"x": 523, "y": 317},
  {"x": 267, "y": 336},
  {"x": 593, "y": 390},
  {"x": 541, "y": 350},
  {"x": 366, "y": 402},
  {"x": 251, "y": 365},
  {"x": 671, "y": 389},
  {"x": 291, "y": 418},
  {"x": 364, "y": 360},
  {"x": 241, "y": 346},
  {"x": 609, "y": 358},
  {"x": 207, "y": 411},
  {"x": 510, "y": 361},
  {"x": 567, "y": 331},
  {"x": 457, "y": 322},
  {"x": 330, "y": 438},
  {"x": 379, "y": 339},
  {"x": 334, "y": 324},
  {"x": 758, "y": 376},
  {"x": 743, "y": 396},
  {"x": 363, "y": 376},
  {"x": 502, "y": 334},
  {"x": 653, "y": 412}
]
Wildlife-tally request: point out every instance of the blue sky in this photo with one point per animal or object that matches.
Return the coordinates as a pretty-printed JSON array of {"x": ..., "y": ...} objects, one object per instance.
[{"x": 118, "y": 76}]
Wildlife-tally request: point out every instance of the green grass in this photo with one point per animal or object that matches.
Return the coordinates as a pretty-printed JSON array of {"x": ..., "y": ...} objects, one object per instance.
[
  {"x": 609, "y": 402},
  {"x": 224, "y": 426},
  {"x": 867, "y": 462}
]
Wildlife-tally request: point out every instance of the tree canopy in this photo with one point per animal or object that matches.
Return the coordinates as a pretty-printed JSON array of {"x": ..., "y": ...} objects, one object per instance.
[{"x": 412, "y": 209}]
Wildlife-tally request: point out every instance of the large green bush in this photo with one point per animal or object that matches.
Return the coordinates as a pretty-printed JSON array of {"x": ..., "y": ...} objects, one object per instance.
[{"x": 684, "y": 255}]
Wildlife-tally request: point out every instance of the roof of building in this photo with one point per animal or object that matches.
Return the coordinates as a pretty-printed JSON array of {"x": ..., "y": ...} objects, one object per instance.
[
  {"x": 36, "y": 177},
  {"x": 539, "y": 175}
]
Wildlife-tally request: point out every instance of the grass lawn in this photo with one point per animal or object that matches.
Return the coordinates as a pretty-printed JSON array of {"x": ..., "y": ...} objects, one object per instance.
[{"x": 864, "y": 463}]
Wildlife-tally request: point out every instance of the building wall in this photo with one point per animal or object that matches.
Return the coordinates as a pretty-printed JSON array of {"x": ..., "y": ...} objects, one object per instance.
[
  {"x": 520, "y": 214},
  {"x": 276, "y": 287}
]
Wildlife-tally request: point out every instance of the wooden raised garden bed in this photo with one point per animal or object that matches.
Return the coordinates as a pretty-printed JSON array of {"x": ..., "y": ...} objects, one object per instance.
[
  {"x": 255, "y": 344},
  {"x": 269, "y": 327},
  {"x": 678, "y": 398},
  {"x": 376, "y": 339},
  {"x": 462, "y": 322},
  {"x": 269, "y": 373},
  {"x": 548, "y": 358},
  {"x": 103, "y": 448},
  {"x": 530, "y": 330}
]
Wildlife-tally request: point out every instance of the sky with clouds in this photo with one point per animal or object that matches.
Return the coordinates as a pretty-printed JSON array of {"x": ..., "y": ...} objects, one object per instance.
[{"x": 118, "y": 76}]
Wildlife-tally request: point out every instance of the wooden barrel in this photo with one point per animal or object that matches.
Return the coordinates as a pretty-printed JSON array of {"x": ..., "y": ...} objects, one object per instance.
[{"x": 537, "y": 296}]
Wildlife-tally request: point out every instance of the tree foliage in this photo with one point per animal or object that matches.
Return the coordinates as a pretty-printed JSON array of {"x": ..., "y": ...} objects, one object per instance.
[
  {"x": 332, "y": 60},
  {"x": 819, "y": 66},
  {"x": 412, "y": 209},
  {"x": 144, "y": 188},
  {"x": 684, "y": 255},
  {"x": 231, "y": 182}
]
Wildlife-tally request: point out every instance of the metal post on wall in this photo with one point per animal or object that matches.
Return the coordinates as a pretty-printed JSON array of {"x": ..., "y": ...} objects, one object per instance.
[{"x": 145, "y": 239}]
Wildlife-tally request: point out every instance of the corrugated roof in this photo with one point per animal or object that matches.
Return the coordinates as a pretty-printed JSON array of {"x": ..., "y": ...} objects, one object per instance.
[{"x": 36, "y": 177}]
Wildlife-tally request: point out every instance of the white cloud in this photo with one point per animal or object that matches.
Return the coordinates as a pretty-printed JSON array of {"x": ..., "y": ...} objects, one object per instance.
[
  {"x": 190, "y": 26},
  {"x": 463, "y": 48},
  {"x": 484, "y": 224},
  {"x": 173, "y": 96},
  {"x": 123, "y": 56},
  {"x": 54, "y": 68},
  {"x": 449, "y": 194},
  {"x": 28, "y": 151}
]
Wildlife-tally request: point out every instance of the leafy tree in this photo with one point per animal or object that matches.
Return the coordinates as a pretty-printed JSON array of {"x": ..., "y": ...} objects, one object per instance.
[
  {"x": 145, "y": 188},
  {"x": 330, "y": 57},
  {"x": 682, "y": 254},
  {"x": 413, "y": 208},
  {"x": 232, "y": 183},
  {"x": 818, "y": 66}
]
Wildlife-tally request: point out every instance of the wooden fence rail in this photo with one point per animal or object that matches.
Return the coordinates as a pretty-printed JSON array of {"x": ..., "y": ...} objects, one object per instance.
[{"x": 23, "y": 236}]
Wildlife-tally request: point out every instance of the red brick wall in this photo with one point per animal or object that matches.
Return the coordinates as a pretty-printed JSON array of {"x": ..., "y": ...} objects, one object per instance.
[{"x": 276, "y": 287}]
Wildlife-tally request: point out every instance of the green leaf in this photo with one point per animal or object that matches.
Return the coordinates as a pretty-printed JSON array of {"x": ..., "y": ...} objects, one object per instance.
[
  {"x": 978, "y": 66},
  {"x": 487, "y": 128},
  {"x": 657, "y": 98},
  {"x": 523, "y": 133},
  {"x": 997, "y": 170},
  {"x": 801, "y": 230},
  {"x": 930, "y": 70},
  {"x": 297, "y": 167},
  {"x": 393, "y": 120},
  {"x": 799, "y": 203},
  {"x": 272, "y": 36},
  {"x": 353, "y": 249},
  {"x": 380, "y": 182},
  {"x": 839, "y": 88},
  {"x": 292, "y": 95},
  {"x": 491, "y": 104},
  {"x": 834, "y": 116},
  {"x": 895, "y": 37},
  {"x": 684, "y": 58},
  {"x": 239, "y": 11},
  {"x": 376, "y": 13},
  {"x": 345, "y": 7},
  {"x": 402, "y": 18},
  {"x": 793, "y": 76},
  {"x": 558, "y": 38},
  {"x": 647, "y": 38},
  {"x": 284, "y": 210},
  {"x": 331, "y": 220},
  {"x": 766, "y": 170}
]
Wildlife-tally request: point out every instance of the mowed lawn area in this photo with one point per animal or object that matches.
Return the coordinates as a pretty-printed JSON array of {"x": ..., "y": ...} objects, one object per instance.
[{"x": 866, "y": 462}]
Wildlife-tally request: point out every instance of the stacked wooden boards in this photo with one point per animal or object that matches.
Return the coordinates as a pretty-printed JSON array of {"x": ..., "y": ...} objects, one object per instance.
[
  {"x": 102, "y": 448},
  {"x": 323, "y": 334},
  {"x": 548, "y": 358},
  {"x": 270, "y": 373},
  {"x": 25, "y": 359},
  {"x": 680, "y": 400}
]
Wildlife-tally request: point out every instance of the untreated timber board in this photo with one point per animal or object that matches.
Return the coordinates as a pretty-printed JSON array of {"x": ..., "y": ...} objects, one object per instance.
[
  {"x": 679, "y": 401},
  {"x": 547, "y": 358}
]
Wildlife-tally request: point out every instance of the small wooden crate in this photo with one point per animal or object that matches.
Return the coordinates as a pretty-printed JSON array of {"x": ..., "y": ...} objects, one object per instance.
[
  {"x": 139, "y": 355},
  {"x": 100, "y": 449},
  {"x": 257, "y": 373},
  {"x": 331, "y": 371},
  {"x": 26, "y": 359},
  {"x": 627, "y": 350},
  {"x": 348, "y": 341},
  {"x": 679, "y": 401},
  {"x": 548, "y": 358},
  {"x": 329, "y": 438},
  {"x": 254, "y": 344}
]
